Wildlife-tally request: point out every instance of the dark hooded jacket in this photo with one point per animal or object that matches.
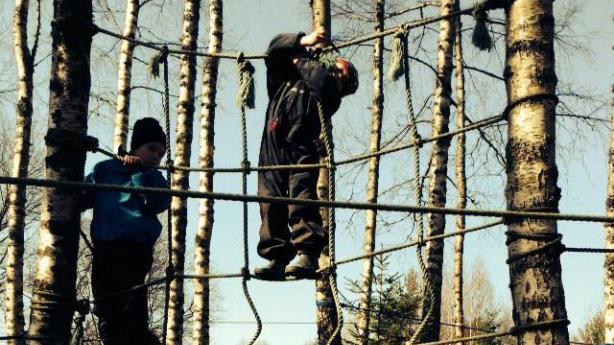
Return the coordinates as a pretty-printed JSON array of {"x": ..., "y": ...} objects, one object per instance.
[{"x": 292, "y": 116}]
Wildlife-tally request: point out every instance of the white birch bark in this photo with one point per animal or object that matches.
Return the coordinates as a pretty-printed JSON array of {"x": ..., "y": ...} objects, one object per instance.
[
  {"x": 21, "y": 158},
  {"x": 461, "y": 183},
  {"x": 205, "y": 210},
  {"x": 608, "y": 282},
  {"x": 56, "y": 261},
  {"x": 122, "y": 105},
  {"x": 180, "y": 179},
  {"x": 535, "y": 279},
  {"x": 439, "y": 166},
  {"x": 326, "y": 314},
  {"x": 377, "y": 111}
]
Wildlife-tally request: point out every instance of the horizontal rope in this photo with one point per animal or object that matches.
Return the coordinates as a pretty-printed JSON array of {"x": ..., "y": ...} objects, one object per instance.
[
  {"x": 588, "y": 250},
  {"x": 412, "y": 319},
  {"x": 307, "y": 202},
  {"x": 476, "y": 125},
  {"x": 158, "y": 47},
  {"x": 414, "y": 243},
  {"x": 512, "y": 331},
  {"x": 235, "y": 55}
]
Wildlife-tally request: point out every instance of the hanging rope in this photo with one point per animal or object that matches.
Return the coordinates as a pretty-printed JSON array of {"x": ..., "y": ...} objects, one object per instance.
[
  {"x": 330, "y": 160},
  {"x": 415, "y": 138},
  {"x": 162, "y": 58},
  {"x": 245, "y": 98}
]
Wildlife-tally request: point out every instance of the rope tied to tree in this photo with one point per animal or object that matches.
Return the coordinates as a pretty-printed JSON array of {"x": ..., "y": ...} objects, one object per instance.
[{"x": 246, "y": 97}]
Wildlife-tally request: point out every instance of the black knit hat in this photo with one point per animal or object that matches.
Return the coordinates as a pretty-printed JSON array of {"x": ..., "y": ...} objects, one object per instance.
[
  {"x": 350, "y": 83},
  {"x": 146, "y": 130}
]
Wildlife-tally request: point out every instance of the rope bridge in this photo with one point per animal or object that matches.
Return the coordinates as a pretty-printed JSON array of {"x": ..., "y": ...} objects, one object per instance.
[{"x": 63, "y": 137}]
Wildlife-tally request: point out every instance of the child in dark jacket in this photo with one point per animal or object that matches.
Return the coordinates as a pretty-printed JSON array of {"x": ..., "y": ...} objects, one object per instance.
[
  {"x": 124, "y": 230},
  {"x": 296, "y": 83}
]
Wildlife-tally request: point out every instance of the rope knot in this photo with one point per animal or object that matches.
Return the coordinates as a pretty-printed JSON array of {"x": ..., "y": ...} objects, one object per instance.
[
  {"x": 397, "y": 67},
  {"x": 481, "y": 37},
  {"x": 245, "y": 273},
  {"x": 246, "y": 166},
  {"x": 153, "y": 67},
  {"x": 246, "y": 96}
]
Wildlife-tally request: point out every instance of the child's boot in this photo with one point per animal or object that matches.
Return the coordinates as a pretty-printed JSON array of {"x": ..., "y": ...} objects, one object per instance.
[
  {"x": 275, "y": 270},
  {"x": 304, "y": 266}
]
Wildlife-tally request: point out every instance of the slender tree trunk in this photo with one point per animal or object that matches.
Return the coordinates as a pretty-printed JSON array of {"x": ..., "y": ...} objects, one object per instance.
[
  {"x": 56, "y": 262},
  {"x": 439, "y": 166},
  {"x": 326, "y": 314},
  {"x": 180, "y": 180},
  {"x": 205, "y": 210},
  {"x": 377, "y": 111},
  {"x": 608, "y": 283},
  {"x": 461, "y": 185},
  {"x": 21, "y": 158},
  {"x": 122, "y": 106},
  {"x": 535, "y": 278}
]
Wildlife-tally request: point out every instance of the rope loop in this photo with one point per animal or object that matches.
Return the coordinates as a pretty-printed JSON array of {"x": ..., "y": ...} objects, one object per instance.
[
  {"x": 554, "y": 243},
  {"x": 70, "y": 140},
  {"x": 516, "y": 330},
  {"x": 246, "y": 166},
  {"x": 240, "y": 58},
  {"x": 528, "y": 99},
  {"x": 164, "y": 54}
]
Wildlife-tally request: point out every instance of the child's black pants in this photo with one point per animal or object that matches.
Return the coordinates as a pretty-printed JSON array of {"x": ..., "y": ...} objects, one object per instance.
[{"x": 119, "y": 265}]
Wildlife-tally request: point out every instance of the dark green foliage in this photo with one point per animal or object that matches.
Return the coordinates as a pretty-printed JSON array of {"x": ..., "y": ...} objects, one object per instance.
[{"x": 394, "y": 307}]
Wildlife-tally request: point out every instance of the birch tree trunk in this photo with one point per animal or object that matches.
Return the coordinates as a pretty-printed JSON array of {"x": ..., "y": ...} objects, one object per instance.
[
  {"x": 439, "y": 167},
  {"x": 326, "y": 314},
  {"x": 461, "y": 185},
  {"x": 377, "y": 111},
  {"x": 56, "y": 262},
  {"x": 608, "y": 282},
  {"x": 535, "y": 278},
  {"x": 207, "y": 147},
  {"x": 122, "y": 106},
  {"x": 21, "y": 158},
  {"x": 180, "y": 180}
]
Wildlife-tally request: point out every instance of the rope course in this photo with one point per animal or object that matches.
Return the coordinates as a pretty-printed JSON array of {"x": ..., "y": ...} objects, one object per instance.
[{"x": 245, "y": 99}]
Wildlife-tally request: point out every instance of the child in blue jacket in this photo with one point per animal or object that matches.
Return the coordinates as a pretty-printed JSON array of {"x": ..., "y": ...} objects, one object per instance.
[{"x": 124, "y": 230}]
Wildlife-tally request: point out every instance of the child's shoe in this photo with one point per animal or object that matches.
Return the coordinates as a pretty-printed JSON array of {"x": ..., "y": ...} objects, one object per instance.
[
  {"x": 273, "y": 271},
  {"x": 304, "y": 266}
]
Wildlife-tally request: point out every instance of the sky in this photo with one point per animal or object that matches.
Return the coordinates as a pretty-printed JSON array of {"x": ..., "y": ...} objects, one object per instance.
[{"x": 582, "y": 64}]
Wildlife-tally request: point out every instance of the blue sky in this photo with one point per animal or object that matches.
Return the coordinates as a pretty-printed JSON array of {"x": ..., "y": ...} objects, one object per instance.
[{"x": 249, "y": 25}]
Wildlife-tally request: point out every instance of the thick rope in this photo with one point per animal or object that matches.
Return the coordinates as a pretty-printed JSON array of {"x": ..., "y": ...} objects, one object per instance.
[
  {"x": 415, "y": 137},
  {"x": 475, "y": 126},
  {"x": 330, "y": 160},
  {"x": 169, "y": 268},
  {"x": 245, "y": 99},
  {"x": 73, "y": 185},
  {"x": 354, "y": 42}
]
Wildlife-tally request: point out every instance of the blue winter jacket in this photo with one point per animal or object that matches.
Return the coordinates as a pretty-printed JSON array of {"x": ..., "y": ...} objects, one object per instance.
[{"x": 126, "y": 216}]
